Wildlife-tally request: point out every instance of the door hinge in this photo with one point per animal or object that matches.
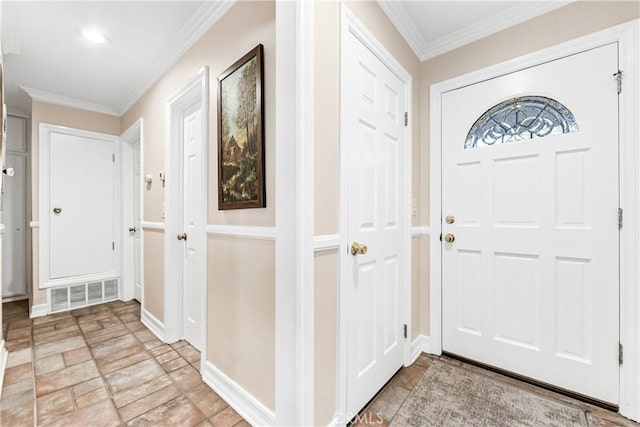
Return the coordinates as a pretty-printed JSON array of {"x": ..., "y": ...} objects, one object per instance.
[
  {"x": 619, "y": 218},
  {"x": 620, "y": 354},
  {"x": 113, "y": 157},
  {"x": 618, "y": 77},
  {"x": 113, "y": 246},
  {"x": 406, "y": 119},
  {"x": 405, "y": 331}
]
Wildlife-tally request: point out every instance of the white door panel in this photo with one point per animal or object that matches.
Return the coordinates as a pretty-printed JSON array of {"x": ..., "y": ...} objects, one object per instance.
[
  {"x": 137, "y": 218},
  {"x": 193, "y": 225},
  {"x": 14, "y": 239},
  {"x": 374, "y": 106},
  {"x": 531, "y": 282},
  {"x": 81, "y": 173}
]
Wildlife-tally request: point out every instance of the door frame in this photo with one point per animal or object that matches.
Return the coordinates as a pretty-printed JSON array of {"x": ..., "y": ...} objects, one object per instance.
[
  {"x": 627, "y": 36},
  {"x": 45, "y": 129},
  {"x": 27, "y": 195},
  {"x": 195, "y": 91},
  {"x": 127, "y": 149},
  {"x": 352, "y": 26}
]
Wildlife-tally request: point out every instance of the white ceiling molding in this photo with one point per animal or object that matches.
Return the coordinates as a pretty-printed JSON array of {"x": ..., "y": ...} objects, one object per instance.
[
  {"x": 53, "y": 98},
  {"x": 202, "y": 20},
  {"x": 482, "y": 28},
  {"x": 405, "y": 25}
]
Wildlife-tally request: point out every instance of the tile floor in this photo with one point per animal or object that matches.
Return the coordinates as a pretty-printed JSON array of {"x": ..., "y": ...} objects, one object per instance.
[
  {"x": 100, "y": 366},
  {"x": 384, "y": 406}
]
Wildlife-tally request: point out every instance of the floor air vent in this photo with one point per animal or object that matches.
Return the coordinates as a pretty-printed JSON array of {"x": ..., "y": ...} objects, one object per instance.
[{"x": 83, "y": 294}]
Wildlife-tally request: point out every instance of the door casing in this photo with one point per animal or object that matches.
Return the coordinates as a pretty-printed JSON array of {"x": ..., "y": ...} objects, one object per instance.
[
  {"x": 196, "y": 91},
  {"x": 130, "y": 140},
  {"x": 627, "y": 36},
  {"x": 351, "y": 26}
]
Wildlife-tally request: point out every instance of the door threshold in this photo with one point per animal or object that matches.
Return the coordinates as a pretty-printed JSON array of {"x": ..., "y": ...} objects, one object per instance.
[{"x": 537, "y": 383}]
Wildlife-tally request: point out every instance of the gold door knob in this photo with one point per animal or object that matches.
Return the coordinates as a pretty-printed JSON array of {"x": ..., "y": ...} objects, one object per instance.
[
  {"x": 358, "y": 248},
  {"x": 450, "y": 219},
  {"x": 449, "y": 238},
  {"x": 57, "y": 210}
]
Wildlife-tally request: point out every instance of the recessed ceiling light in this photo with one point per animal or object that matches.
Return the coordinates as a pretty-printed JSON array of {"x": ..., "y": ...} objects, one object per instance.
[{"x": 93, "y": 35}]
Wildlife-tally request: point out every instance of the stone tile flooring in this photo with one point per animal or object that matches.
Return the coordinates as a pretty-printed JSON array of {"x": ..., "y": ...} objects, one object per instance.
[
  {"x": 100, "y": 366},
  {"x": 384, "y": 406}
]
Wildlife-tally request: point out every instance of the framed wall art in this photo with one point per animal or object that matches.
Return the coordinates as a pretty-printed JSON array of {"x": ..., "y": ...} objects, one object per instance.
[{"x": 241, "y": 172}]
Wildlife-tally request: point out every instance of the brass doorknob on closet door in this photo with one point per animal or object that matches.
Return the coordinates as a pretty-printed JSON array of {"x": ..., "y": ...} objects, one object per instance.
[
  {"x": 449, "y": 219},
  {"x": 57, "y": 210},
  {"x": 182, "y": 236},
  {"x": 358, "y": 248},
  {"x": 449, "y": 238}
]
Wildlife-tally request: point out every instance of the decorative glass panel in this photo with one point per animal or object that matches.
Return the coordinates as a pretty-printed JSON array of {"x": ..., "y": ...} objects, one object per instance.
[{"x": 520, "y": 119}]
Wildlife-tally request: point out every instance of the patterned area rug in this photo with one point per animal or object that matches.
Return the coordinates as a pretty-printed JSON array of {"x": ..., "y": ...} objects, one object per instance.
[{"x": 451, "y": 396}]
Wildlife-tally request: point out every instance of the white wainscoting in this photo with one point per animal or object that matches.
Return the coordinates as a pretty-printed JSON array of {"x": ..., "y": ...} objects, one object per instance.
[
  {"x": 246, "y": 231},
  {"x": 153, "y": 324},
  {"x": 418, "y": 346},
  {"x": 420, "y": 231},
  {"x": 326, "y": 242},
  {"x": 39, "y": 310},
  {"x": 254, "y": 412}
]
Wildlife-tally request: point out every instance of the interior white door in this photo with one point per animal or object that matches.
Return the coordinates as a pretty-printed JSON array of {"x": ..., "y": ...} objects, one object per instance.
[
  {"x": 374, "y": 102},
  {"x": 14, "y": 241},
  {"x": 194, "y": 228},
  {"x": 81, "y": 206},
  {"x": 137, "y": 215},
  {"x": 531, "y": 281}
]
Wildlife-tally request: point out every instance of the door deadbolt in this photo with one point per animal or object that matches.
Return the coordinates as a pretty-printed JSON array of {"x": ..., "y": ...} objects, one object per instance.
[
  {"x": 449, "y": 238},
  {"x": 358, "y": 248},
  {"x": 449, "y": 219},
  {"x": 57, "y": 210}
]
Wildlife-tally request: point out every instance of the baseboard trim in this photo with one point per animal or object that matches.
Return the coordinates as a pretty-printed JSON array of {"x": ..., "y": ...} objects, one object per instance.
[
  {"x": 153, "y": 324},
  {"x": 3, "y": 364},
  {"x": 254, "y": 412},
  {"x": 39, "y": 310},
  {"x": 419, "y": 345}
]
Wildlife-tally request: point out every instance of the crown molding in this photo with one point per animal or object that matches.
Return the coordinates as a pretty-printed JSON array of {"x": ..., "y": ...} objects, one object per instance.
[
  {"x": 207, "y": 15},
  {"x": 54, "y": 98},
  {"x": 405, "y": 25},
  {"x": 485, "y": 27}
]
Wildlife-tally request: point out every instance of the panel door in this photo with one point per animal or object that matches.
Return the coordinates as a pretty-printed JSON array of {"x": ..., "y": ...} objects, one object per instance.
[
  {"x": 374, "y": 109},
  {"x": 14, "y": 239},
  {"x": 194, "y": 226},
  {"x": 531, "y": 281},
  {"x": 137, "y": 216},
  {"x": 81, "y": 191}
]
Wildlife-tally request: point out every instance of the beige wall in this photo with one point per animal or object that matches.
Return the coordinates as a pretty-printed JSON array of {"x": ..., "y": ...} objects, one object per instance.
[
  {"x": 327, "y": 167},
  {"x": 564, "y": 24},
  {"x": 61, "y": 116},
  {"x": 241, "y": 313},
  {"x": 241, "y": 300},
  {"x": 325, "y": 336}
]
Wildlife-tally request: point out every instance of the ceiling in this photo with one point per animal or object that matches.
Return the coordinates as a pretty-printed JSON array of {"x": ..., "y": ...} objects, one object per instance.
[
  {"x": 45, "y": 56},
  {"x": 433, "y": 27}
]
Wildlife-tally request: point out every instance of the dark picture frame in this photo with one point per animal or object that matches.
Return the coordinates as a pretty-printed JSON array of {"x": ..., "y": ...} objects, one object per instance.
[{"x": 241, "y": 172}]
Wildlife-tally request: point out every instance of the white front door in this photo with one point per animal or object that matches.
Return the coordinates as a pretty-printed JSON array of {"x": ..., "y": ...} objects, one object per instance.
[
  {"x": 193, "y": 220},
  {"x": 81, "y": 205},
  {"x": 374, "y": 104},
  {"x": 14, "y": 241},
  {"x": 531, "y": 281}
]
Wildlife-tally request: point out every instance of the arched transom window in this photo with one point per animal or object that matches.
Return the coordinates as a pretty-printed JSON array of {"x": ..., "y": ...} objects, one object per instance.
[{"x": 521, "y": 119}]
